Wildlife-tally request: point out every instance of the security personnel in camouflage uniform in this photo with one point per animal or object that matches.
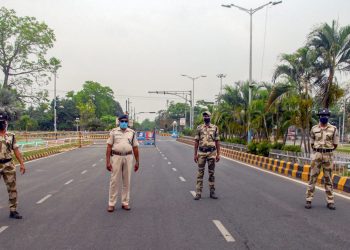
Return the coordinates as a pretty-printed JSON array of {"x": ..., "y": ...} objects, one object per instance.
[
  {"x": 324, "y": 139},
  {"x": 122, "y": 144},
  {"x": 8, "y": 146},
  {"x": 206, "y": 149}
]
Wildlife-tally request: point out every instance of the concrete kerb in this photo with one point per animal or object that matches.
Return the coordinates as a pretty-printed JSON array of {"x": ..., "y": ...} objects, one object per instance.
[{"x": 295, "y": 170}]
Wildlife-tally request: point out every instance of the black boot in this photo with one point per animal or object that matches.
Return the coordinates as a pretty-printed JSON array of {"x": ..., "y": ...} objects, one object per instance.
[
  {"x": 15, "y": 215},
  {"x": 308, "y": 205},
  {"x": 331, "y": 206},
  {"x": 197, "y": 197},
  {"x": 212, "y": 194}
]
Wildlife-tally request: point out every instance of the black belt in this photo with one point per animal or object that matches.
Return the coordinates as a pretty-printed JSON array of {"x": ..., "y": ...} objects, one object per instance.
[
  {"x": 207, "y": 149},
  {"x": 3, "y": 161},
  {"x": 120, "y": 153},
  {"x": 323, "y": 150}
]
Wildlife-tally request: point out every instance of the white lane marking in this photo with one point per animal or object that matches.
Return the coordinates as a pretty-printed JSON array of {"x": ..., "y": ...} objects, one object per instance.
[
  {"x": 169, "y": 163},
  {"x": 182, "y": 179},
  {"x": 193, "y": 193},
  {"x": 281, "y": 176},
  {"x": 160, "y": 151},
  {"x": 3, "y": 228},
  {"x": 174, "y": 169},
  {"x": 101, "y": 159},
  {"x": 84, "y": 172},
  {"x": 94, "y": 165},
  {"x": 44, "y": 199},
  {"x": 228, "y": 237},
  {"x": 165, "y": 158},
  {"x": 68, "y": 182}
]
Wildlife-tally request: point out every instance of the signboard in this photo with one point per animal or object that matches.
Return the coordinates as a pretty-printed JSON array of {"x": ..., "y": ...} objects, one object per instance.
[
  {"x": 146, "y": 137},
  {"x": 182, "y": 121}
]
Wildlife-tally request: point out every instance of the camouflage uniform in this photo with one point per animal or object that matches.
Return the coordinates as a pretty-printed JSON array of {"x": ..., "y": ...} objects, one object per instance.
[
  {"x": 323, "y": 139},
  {"x": 8, "y": 169},
  {"x": 206, "y": 135}
]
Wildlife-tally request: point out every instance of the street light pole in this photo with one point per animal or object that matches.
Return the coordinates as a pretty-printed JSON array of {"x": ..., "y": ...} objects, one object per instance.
[
  {"x": 250, "y": 12},
  {"x": 192, "y": 104},
  {"x": 55, "y": 106},
  {"x": 221, "y": 76}
]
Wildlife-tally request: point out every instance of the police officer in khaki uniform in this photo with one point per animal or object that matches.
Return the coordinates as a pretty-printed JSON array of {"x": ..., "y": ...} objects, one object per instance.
[
  {"x": 324, "y": 139},
  {"x": 206, "y": 149},
  {"x": 8, "y": 146},
  {"x": 122, "y": 144}
]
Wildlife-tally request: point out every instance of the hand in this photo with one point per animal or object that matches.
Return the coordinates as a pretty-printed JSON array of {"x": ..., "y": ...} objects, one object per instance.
[
  {"x": 22, "y": 169},
  {"x": 196, "y": 158},
  {"x": 217, "y": 159},
  {"x": 109, "y": 166},
  {"x": 136, "y": 167}
]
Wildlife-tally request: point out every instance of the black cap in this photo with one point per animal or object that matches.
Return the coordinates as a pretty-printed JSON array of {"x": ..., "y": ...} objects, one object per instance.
[
  {"x": 3, "y": 116},
  {"x": 123, "y": 117},
  {"x": 324, "y": 112},
  {"x": 206, "y": 113}
]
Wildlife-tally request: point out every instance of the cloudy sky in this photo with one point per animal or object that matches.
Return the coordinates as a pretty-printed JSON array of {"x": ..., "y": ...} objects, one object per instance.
[{"x": 136, "y": 46}]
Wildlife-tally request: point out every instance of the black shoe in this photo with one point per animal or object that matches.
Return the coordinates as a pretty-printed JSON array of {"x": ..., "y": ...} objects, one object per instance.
[
  {"x": 15, "y": 215},
  {"x": 197, "y": 197},
  {"x": 213, "y": 195},
  {"x": 331, "y": 206},
  {"x": 308, "y": 205}
]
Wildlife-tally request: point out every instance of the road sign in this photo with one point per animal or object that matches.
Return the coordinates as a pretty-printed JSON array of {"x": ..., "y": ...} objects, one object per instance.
[{"x": 182, "y": 121}]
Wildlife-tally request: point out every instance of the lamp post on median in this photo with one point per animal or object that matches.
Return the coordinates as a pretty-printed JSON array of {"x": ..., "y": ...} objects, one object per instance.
[
  {"x": 250, "y": 12},
  {"x": 221, "y": 76},
  {"x": 192, "y": 102}
]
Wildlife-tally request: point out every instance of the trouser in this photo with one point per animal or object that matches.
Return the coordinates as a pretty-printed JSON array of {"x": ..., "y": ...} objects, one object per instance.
[
  {"x": 121, "y": 169},
  {"x": 201, "y": 168},
  {"x": 8, "y": 172},
  {"x": 323, "y": 160}
]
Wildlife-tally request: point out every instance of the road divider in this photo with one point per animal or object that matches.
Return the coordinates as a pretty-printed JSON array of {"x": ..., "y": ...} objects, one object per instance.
[{"x": 293, "y": 170}]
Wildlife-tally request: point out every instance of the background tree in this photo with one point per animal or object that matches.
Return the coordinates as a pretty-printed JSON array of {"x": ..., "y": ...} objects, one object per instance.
[
  {"x": 24, "y": 42},
  {"x": 332, "y": 44}
]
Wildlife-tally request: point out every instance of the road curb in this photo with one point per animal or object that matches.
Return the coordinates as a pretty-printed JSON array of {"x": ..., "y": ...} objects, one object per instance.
[{"x": 293, "y": 170}]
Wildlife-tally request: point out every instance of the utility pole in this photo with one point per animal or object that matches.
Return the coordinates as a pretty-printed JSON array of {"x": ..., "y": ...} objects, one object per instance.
[
  {"x": 221, "y": 76},
  {"x": 186, "y": 95},
  {"x": 250, "y": 12}
]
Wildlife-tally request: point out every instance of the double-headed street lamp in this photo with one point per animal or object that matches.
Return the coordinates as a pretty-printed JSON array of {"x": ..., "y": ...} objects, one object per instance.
[
  {"x": 192, "y": 108},
  {"x": 250, "y": 12},
  {"x": 221, "y": 76}
]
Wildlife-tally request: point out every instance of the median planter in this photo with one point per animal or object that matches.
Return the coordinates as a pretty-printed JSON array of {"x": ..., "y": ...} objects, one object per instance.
[
  {"x": 293, "y": 170},
  {"x": 40, "y": 153}
]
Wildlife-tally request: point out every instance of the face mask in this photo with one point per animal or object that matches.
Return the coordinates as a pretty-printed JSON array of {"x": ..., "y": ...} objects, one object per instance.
[
  {"x": 207, "y": 120},
  {"x": 324, "y": 120},
  {"x": 123, "y": 125},
  {"x": 3, "y": 126}
]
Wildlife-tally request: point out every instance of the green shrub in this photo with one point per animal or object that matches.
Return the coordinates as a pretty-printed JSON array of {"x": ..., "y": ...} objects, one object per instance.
[
  {"x": 236, "y": 141},
  {"x": 188, "y": 132},
  {"x": 292, "y": 148},
  {"x": 263, "y": 148},
  {"x": 277, "y": 145},
  {"x": 252, "y": 148}
]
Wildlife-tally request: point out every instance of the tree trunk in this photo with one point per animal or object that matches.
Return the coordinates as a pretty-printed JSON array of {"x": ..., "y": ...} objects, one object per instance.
[{"x": 327, "y": 99}]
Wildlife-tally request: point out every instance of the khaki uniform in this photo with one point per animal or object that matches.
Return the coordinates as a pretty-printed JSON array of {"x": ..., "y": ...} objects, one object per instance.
[
  {"x": 8, "y": 169},
  {"x": 122, "y": 142},
  {"x": 206, "y": 136},
  {"x": 323, "y": 140}
]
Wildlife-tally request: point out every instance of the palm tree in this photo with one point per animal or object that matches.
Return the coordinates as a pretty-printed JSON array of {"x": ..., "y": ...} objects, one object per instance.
[
  {"x": 332, "y": 45},
  {"x": 297, "y": 71}
]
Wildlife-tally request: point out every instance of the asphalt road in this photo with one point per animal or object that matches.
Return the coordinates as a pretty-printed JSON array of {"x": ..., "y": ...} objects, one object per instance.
[{"x": 64, "y": 198}]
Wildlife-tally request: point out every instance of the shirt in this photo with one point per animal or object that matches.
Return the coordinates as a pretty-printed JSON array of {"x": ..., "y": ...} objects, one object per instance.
[
  {"x": 122, "y": 141},
  {"x": 324, "y": 137}
]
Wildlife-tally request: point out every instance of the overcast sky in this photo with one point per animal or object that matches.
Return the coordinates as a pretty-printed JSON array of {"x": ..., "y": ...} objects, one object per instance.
[{"x": 134, "y": 46}]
